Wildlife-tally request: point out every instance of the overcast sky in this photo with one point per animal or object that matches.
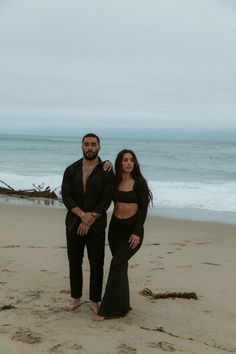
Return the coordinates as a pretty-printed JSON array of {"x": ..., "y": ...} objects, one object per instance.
[{"x": 118, "y": 67}]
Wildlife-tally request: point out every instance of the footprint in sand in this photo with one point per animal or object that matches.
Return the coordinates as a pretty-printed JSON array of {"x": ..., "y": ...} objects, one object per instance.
[
  {"x": 158, "y": 268},
  {"x": 7, "y": 307},
  {"x": 33, "y": 293},
  {"x": 77, "y": 347},
  {"x": 58, "y": 348},
  {"x": 210, "y": 263},
  {"x": 203, "y": 243},
  {"x": 10, "y": 246},
  {"x": 134, "y": 265},
  {"x": 208, "y": 311},
  {"x": 64, "y": 291},
  {"x": 165, "y": 346},
  {"x": 26, "y": 336},
  {"x": 126, "y": 349},
  {"x": 29, "y": 296},
  {"x": 5, "y": 328},
  {"x": 178, "y": 244},
  {"x": 31, "y": 246}
]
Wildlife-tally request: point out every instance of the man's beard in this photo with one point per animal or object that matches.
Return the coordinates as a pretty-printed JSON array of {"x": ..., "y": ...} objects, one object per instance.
[{"x": 90, "y": 156}]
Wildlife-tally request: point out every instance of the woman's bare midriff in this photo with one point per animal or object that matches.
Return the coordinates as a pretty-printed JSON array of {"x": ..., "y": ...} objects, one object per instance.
[{"x": 125, "y": 210}]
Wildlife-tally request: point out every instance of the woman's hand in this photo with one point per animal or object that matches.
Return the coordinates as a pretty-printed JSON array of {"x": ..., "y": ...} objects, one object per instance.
[
  {"x": 107, "y": 165},
  {"x": 134, "y": 241}
]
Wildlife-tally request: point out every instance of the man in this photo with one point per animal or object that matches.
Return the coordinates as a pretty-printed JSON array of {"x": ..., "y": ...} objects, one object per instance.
[{"x": 86, "y": 192}]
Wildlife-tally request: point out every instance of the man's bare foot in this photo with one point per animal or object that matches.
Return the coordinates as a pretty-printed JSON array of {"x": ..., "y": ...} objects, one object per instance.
[
  {"x": 94, "y": 306},
  {"x": 75, "y": 303},
  {"x": 98, "y": 318}
]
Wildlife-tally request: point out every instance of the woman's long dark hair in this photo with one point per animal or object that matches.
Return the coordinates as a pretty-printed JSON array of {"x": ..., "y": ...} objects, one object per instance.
[{"x": 136, "y": 173}]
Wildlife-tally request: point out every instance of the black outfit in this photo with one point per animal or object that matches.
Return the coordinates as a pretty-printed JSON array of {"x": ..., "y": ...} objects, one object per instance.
[
  {"x": 96, "y": 198},
  {"x": 116, "y": 301}
]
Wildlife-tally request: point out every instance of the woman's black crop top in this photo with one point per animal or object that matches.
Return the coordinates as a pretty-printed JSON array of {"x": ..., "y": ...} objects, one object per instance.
[
  {"x": 139, "y": 195},
  {"x": 127, "y": 196}
]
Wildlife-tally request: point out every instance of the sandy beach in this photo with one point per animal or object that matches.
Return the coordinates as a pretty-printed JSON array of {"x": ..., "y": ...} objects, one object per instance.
[{"x": 177, "y": 255}]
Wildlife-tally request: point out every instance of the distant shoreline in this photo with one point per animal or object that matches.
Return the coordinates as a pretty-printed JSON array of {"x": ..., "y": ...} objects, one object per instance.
[{"x": 161, "y": 134}]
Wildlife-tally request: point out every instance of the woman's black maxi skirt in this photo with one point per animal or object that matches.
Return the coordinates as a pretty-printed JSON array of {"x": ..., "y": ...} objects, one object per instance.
[{"x": 116, "y": 299}]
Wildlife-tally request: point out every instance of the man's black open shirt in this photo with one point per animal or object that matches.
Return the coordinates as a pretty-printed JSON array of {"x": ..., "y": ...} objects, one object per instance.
[{"x": 97, "y": 197}]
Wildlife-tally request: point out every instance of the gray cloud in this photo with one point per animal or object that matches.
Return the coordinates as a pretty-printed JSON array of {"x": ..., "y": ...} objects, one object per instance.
[{"x": 159, "y": 64}]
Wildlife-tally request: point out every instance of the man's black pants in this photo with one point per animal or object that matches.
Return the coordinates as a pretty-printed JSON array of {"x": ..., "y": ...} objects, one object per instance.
[{"x": 95, "y": 244}]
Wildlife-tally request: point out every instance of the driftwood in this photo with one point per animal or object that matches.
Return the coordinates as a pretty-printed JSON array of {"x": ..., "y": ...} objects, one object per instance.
[
  {"x": 186, "y": 295},
  {"x": 36, "y": 192}
]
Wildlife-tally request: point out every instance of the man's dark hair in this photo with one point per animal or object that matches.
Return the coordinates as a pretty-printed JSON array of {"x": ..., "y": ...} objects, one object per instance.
[{"x": 91, "y": 135}]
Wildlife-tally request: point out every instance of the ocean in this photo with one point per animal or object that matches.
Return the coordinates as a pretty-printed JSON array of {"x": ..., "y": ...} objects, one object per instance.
[{"x": 196, "y": 178}]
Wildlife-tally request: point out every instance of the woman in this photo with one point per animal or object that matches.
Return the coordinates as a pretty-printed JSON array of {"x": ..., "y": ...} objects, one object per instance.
[{"x": 125, "y": 236}]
